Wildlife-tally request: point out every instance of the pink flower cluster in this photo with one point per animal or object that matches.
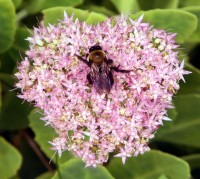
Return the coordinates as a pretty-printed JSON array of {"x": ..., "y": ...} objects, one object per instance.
[{"x": 89, "y": 124}]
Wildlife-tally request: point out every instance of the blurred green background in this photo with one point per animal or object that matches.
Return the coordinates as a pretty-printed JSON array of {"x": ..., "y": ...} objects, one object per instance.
[{"x": 24, "y": 149}]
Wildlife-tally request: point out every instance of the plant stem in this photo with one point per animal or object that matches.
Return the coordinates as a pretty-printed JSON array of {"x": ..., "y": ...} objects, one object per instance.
[
  {"x": 37, "y": 151},
  {"x": 21, "y": 14}
]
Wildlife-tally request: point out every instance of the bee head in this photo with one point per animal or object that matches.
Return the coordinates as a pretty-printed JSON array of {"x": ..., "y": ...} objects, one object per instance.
[{"x": 95, "y": 47}]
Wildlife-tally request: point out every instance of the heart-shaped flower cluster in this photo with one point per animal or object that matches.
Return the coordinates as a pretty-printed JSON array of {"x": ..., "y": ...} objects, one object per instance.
[{"x": 94, "y": 125}]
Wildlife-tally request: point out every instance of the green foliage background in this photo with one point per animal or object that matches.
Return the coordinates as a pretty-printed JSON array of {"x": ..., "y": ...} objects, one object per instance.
[{"x": 24, "y": 149}]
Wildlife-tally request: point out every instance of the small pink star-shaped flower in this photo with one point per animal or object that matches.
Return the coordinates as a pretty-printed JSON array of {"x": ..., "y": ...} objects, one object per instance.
[
  {"x": 93, "y": 125},
  {"x": 123, "y": 155}
]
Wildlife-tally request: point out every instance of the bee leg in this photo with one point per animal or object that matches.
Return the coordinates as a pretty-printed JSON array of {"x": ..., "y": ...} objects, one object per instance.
[
  {"x": 120, "y": 70},
  {"x": 83, "y": 60},
  {"x": 89, "y": 79},
  {"x": 110, "y": 77},
  {"x": 109, "y": 61}
]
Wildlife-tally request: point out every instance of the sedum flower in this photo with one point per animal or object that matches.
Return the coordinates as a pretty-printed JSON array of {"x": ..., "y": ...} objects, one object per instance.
[{"x": 93, "y": 125}]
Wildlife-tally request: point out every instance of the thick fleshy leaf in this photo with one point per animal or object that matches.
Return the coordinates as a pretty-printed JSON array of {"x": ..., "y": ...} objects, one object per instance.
[
  {"x": 163, "y": 177},
  {"x": 182, "y": 54},
  {"x": 52, "y": 15},
  {"x": 194, "y": 162},
  {"x": 108, "y": 4},
  {"x": 185, "y": 3},
  {"x": 192, "y": 84},
  {"x": 15, "y": 177},
  {"x": 178, "y": 21},
  {"x": 46, "y": 175},
  {"x": 7, "y": 79},
  {"x": 44, "y": 134},
  {"x": 150, "y": 165},
  {"x": 172, "y": 113},
  {"x": 128, "y": 7},
  {"x": 20, "y": 36},
  {"x": 195, "y": 37},
  {"x": 95, "y": 18},
  {"x": 7, "y": 64},
  {"x": 14, "y": 113},
  {"x": 10, "y": 158},
  {"x": 158, "y": 4},
  {"x": 98, "y": 9},
  {"x": 184, "y": 130},
  {"x": 75, "y": 168},
  {"x": 7, "y": 24},
  {"x": 20, "y": 44},
  {"x": 186, "y": 48},
  {"x": 38, "y": 5},
  {"x": 0, "y": 96},
  {"x": 17, "y": 3}
]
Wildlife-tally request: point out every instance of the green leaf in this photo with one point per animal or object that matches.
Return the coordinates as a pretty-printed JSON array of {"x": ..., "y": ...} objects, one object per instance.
[
  {"x": 172, "y": 113},
  {"x": 7, "y": 24},
  {"x": 185, "y": 129},
  {"x": 193, "y": 160},
  {"x": 45, "y": 175},
  {"x": 38, "y": 5},
  {"x": 14, "y": 113},
  {"x": 107, "y": 4},
  {"x": 150, "y": 165},
  {"x": 20, "y": 36},
  {"x": 95, "y": 18},
  {"x": 158, "y": 4},
  {"x": 20, "y": 44},
  {"x": 183, "y": 53},
  {"x": 186, "y": 48},
  {"x": 185, "y": 3},
  {"x": 195, "y": 37},
  {"x": 15, "y": 177},
  {"x": 44, "y": 134},
  {"x": 192, "y": 84},
  {"x": 17, "y": 3},
  {"x": 98, "y": 9},
  {"x": 178, "y": 21},
  {"x": 7, "y": 79},
  {"x": 128, "y": 7},
  {"x": 53, "y": 14},
  {"x": 75, "y": 168},
  {"x": 1, "y": 92},
  {"x": 7, "y": 64},
  {"x": 163, "y": 177},
  {"x": 10, "y": 158}
]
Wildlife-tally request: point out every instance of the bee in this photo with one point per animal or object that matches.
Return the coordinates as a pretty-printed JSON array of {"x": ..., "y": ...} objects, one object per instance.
[{"x": 101, "y": 69}]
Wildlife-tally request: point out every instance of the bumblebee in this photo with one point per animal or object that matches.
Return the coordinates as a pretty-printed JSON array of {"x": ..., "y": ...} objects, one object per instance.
[{"x": 101, "y": 69}]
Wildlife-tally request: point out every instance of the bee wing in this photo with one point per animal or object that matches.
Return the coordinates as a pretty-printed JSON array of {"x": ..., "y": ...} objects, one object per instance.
[
  {"x": 107, "y": 77},
  {"x": 96, "y": 79},
  {"x": 102, "y": 78}
]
